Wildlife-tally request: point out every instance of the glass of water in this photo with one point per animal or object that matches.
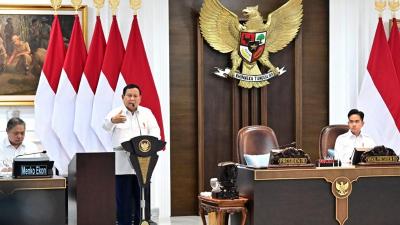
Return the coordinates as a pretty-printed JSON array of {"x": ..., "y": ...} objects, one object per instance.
[{"x": 7, "y": 167}]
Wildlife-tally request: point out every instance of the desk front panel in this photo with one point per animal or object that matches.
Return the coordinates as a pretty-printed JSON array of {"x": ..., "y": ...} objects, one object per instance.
[
  {"x": 32, "y": 201},
  {"x": 284, "y": 197}
]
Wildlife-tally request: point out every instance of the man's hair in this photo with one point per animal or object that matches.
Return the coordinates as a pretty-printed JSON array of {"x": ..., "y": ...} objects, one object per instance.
[
  {"x": 356, "y": 112},
  {"x": 130, "y": 86},
  {"x": 13, "y": 122}
]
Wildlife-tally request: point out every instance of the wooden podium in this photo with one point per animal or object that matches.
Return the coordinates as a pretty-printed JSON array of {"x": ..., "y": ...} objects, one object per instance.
[
  {"x": 144, "y": 158},
  {"x": 91, "y": 189}
]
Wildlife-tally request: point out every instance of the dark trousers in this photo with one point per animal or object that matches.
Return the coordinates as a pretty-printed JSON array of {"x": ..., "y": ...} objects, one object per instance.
[{"x": 128, "y": 199}]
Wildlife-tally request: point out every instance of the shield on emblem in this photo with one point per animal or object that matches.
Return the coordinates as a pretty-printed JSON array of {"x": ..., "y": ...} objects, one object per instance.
[{"x": 252, "y": 45}]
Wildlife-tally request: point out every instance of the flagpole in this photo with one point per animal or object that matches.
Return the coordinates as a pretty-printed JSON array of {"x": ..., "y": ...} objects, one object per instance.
[
  {"x": 98, "y": 4},
  {"x": 394, "y": 6},
  {"x": 135, "y": 5},
  {"x": 56, "y": 4},
  {"x": 380, "y": 6},
  {"x": 76, "y": 4},
  {"x": 114, "y": 6}
]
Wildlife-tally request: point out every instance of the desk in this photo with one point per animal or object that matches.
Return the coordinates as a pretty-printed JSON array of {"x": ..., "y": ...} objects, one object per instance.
[
  {"x": 39, "y": 201},
  {"x": 221, "y": 207},
  {"x": 329, "y": 196}
]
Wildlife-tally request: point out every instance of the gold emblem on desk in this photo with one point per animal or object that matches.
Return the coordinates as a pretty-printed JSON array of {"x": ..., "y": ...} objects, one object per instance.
[
  {"x": 341, "y": 187},
  {"x": 144, "y": 145},
  {"x": 251, "y": 41},
  {"x": 144, "y": 223}
]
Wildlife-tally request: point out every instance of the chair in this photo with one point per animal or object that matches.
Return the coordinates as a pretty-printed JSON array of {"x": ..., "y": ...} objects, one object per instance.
[
  {"x": 255, "y": 140},
  {"x": 327, "y": 138}
]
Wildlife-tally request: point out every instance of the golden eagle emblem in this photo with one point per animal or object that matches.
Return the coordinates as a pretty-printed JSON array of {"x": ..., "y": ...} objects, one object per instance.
[
  {"x": 342, "y": 188},
  {"x": 252, "y": 41},
  {"x": 144, "y": 145}
]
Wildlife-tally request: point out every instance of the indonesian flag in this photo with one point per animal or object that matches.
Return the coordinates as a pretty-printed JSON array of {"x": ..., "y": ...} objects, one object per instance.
[
  {"x": 379, "y": 97},
  {"x": 136, "y": 70},
  {"x": 394, "y": 45},
  {"x": 102, "y": 103},
  {"x": 64, "y": 102},
  {"x": 84, "y": 99},
  {"x": 44, "y": 99}
]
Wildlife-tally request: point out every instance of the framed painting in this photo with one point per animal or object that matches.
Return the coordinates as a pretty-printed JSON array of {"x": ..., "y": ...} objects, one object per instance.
[{"x": 24, "y": 36}]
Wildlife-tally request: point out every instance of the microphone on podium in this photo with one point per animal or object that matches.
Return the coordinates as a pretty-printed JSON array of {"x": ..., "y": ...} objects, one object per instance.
[{"x": 32, "y": 153}]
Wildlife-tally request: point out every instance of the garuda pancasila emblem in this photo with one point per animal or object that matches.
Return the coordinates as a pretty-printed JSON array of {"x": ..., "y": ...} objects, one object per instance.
[
  {"x": 342, "y": 188},
  {"x": 252, "y": 41}
]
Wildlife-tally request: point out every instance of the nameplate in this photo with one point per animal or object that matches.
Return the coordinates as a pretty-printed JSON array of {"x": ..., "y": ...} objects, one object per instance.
[
  {"x": 292, "y": 161},
  {"x": 381, "y": 159},
  {"x": 379, "y": 155},
  {"x": 32, "y": 169},
  {"x": 290, "y": 157}
]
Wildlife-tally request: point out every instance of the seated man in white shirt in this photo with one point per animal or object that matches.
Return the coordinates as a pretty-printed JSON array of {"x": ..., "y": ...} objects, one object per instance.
[
  {"x": 14, "y": 144},
  {"x": 345, "y": 143}
]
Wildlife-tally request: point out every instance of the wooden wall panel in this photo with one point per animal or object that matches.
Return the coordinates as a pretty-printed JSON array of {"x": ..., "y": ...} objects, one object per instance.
[
  {"x": 183, "y": 98},
  {"x": 217, "y": 115},
  {"x": 281, "y": 97},
  {"x": 315, "y": 83},
  {"x": 207, "y": 111}
]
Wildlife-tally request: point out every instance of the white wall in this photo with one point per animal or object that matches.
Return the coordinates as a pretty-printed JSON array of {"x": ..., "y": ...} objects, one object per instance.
[
  {"x": 153, "y": 21},
  {"x": 351, "y": 33}
]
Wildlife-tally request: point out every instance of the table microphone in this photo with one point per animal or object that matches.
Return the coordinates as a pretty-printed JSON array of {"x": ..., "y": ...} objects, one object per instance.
[{"x": 44, "y": 151}]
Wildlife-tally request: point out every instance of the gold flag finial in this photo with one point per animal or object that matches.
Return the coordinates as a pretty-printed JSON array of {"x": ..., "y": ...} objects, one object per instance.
[
  {"x": 135, "y": 5},
  {"x": 380, "y": 5},
  {"x": 56, "y": 4},
  {"x": 114, "y": 6},
  {"x": 98, "y": 4},
  {"x": 394, "y": 6},
  {"x": 76, "y": 4}
]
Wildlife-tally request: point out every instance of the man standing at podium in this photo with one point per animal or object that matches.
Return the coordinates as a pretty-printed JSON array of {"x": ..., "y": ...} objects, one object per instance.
[{"x": 125, "y": 122}]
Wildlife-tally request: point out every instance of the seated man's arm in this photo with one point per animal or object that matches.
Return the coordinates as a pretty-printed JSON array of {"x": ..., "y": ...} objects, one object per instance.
[{"x": 339, "y": 148}]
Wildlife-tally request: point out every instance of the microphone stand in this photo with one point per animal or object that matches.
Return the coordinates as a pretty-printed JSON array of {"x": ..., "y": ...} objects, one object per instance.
[{"x": 32, "y": 153}]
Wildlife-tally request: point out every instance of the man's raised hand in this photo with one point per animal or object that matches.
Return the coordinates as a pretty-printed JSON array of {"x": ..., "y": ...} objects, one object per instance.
[{"x": 119, "y": 118}]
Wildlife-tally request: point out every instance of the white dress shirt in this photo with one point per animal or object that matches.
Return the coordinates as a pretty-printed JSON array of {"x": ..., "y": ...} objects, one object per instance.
[
  {"x": 141, "y": 122},
  {"x": 8, "y": 151},
  {"x": 345, "y": 144}
]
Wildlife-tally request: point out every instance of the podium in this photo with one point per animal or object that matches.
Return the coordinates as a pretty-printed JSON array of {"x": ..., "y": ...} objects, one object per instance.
[
  {"x": 91, "y": 189},
  {"x": 144, "y": 158}
]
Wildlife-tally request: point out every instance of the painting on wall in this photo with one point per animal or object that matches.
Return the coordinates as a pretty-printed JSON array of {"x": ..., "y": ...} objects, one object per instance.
[{"x": 24, "y": 36}]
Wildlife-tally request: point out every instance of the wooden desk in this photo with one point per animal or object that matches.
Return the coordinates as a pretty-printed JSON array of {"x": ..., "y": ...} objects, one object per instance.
[
  {"x": 221, "y": 207},
  {"x": 344, "y": 196},
  {"x": 39, "y": 201}
]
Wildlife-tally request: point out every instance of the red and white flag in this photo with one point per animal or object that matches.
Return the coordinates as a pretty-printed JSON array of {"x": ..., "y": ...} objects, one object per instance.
[
  {"x": 394, "y": 45},
  {"x": 103, "y": 99},
  {"x": 44, "y": 99},
  {"x": 64, "y": 102},
  {"x": 87, "y": 88},
  {"x": 136, "y": 69},
  {"x": 379, "y": 97}
]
